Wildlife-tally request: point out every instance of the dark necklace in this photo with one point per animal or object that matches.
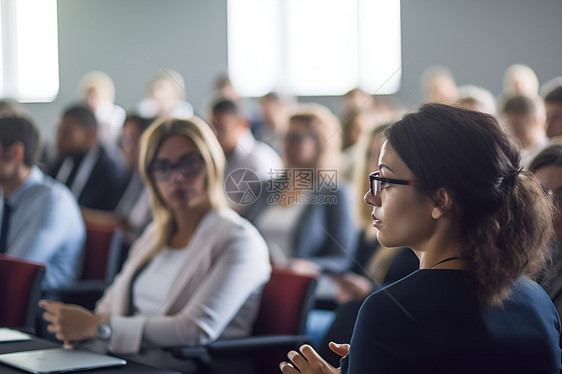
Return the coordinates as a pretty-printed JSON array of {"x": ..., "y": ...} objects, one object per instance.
[{"x": 445, "y": 260}]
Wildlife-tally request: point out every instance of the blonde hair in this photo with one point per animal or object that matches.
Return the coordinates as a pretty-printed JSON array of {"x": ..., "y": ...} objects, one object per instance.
[
  {"x": 201, "y": 134},
  {"x": 526, "y": 75},
  {"x": 171, "y": 76},
  {"x": 326, "y": 126},
  {"x": 99, "y": 81}
]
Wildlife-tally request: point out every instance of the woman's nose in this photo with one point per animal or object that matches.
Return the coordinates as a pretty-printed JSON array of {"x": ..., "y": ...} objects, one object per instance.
[{"x": 372, "y": 200}]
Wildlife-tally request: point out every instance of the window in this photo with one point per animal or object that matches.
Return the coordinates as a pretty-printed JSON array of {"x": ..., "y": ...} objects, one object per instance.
[
  {"x": 29, "y": 70},
  {"x": 314, "y": 47}
]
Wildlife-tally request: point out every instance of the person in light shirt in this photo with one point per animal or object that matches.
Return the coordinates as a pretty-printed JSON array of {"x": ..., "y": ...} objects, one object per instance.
[{"x": 196, "y": 272}]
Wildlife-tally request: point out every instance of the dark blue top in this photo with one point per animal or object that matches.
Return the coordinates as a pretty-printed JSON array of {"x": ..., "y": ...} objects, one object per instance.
[{"x": 431, "y": 322}]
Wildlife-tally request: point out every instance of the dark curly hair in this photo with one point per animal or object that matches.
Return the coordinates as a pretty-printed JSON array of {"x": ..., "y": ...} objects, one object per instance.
[{"x": 501, "y": 213}]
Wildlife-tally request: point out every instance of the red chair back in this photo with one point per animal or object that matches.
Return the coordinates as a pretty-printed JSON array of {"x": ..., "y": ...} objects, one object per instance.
[
  {"x": 286, "y": 300},
  {"x": 100, "y": 240},
  {"x": 20, "y": 290}
]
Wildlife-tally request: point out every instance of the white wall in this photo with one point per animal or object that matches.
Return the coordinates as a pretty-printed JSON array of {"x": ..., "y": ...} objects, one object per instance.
[
  {"x": 129, "y": 40},
  {"x": 476, "y": 39}
]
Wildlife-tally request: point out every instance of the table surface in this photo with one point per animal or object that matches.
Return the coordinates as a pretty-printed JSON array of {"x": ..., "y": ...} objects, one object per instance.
[{"x": 38, "y": 343}]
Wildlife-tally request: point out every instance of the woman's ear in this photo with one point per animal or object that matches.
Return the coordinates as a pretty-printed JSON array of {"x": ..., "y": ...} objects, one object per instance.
[{"x": 443, "y": 203}]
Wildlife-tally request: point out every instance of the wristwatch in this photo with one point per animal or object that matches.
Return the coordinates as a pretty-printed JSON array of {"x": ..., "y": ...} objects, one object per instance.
[{"x": 104, "y": 331}]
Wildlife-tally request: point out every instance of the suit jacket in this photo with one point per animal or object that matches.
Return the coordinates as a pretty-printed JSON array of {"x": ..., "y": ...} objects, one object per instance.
[
  {"x": 215, "y": 295},
  {"x": 103, "y": 185},
  {"x": 325, "y": 232}
]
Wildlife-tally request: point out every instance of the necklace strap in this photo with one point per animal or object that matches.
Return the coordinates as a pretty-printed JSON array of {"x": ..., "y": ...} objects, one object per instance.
[{"x": 446, "y": 260}]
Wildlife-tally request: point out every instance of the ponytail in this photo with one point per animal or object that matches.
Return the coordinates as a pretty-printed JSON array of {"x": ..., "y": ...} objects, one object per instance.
[{"x": 511, "y": 242}]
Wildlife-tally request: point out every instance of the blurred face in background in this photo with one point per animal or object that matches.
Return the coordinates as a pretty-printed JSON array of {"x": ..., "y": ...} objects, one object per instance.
[
  {"x": 521, "y": 127},
  {"x": 73, "y": 139},
  {"x": 130, "y": 137},
  {"x": 164, "y": 93},
  {"x": 227, "y": 128},
  {"x": 301, "y": 148},
  {"x": 553, "y": 119},
  {"x": 551, "y": 178}
]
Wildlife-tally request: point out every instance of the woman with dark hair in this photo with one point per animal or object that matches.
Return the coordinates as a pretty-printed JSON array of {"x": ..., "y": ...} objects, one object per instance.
[
  {"x": 450, "y": 188},
  {"x": 547, "y": 165}
]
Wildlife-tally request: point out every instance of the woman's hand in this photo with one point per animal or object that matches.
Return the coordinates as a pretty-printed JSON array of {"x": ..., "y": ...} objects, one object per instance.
[
  {"x": 309, "y": 362},
  {"x": 70, "y": 323},
  {"x": 352, "y": 286},
  {"x": 339, "y": 349}
]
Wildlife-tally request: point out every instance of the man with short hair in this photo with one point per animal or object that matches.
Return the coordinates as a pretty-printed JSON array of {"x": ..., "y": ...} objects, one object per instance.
[
  {"x": 40, "y": 219},
  {"x": 241, "y": 149},
  {"x": 524, "y": 119},
  {"x": 553, "y": 106},
  {"x": 84, "y": 165}
]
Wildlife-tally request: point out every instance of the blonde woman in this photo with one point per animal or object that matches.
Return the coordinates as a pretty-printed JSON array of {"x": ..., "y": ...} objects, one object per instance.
[
  {"x": 304, "y": 211},
  {"x": 97, "y": 92},
  {"x": 196, "y": 272},
  {"x": 165, "y": 97}
]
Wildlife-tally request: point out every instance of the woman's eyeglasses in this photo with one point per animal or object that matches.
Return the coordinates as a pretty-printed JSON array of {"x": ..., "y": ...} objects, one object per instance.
[
  {"x": 377, "y": 184},
  {"x": 188, "y": 166}
]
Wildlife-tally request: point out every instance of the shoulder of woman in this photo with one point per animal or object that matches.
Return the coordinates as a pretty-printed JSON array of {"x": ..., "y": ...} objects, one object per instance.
[{"x": 226, "y": 224}]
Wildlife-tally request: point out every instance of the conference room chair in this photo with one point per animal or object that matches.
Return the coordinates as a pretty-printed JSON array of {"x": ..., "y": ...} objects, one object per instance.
[
  {"x": 280, "y": 326},
  {"x": 102, "y": 261},
  {"x": 20, "y": 290}
]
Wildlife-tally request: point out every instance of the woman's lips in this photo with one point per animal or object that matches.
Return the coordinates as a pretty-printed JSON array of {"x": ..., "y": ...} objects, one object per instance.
[
  {"x": 179, "y": 194},
  {"x": 376, "y": 222}
]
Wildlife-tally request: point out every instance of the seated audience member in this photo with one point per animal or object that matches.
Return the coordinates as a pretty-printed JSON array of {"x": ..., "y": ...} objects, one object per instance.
[
  {"x": 549, "y": 85},
  {"x": 355, "y": 100},
  {"x": 476, "y": 98},
  {"x": 224, "y": 89},
  {"x": 548, "y": 168},
  {"x": 242, "y": 150},
  {"x": 40, "y": 218},
  {"x": 355, "y": 126},
  {"x": 438, "y": 85},
  {"x": 524, "y": 119},
  {"x": 374, "y": 265},
  {"x": 83, "y": 164},
  {"x": 10, "y": 107},
  {"x": 133, "y": 208},
  {"x": 518, "y": 80},
  {"x": 304, "y": 214},
  {"x": 165, "y": 97},
  {"x": 97, "y": 92},
  {"x": 553, "y": 107},
  {"x": 450, "y": 187},
  {"x": 275, "y": 112},
  {"x": 195, "y": 274}
]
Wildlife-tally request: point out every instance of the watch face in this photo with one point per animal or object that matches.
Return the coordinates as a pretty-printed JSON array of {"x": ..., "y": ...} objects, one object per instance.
[{"x": 104, "y": 331}]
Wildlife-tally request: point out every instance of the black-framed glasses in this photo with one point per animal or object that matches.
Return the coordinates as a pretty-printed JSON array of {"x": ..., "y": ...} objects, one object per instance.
[
  {"x": 377, "y": 184},
  {"x": 188, "y": 166}
]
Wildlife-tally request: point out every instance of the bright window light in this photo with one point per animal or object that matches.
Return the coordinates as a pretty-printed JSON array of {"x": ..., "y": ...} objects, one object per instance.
[
  {"x": 30, "y": 45},
  {"x": 314, "y": 47}
]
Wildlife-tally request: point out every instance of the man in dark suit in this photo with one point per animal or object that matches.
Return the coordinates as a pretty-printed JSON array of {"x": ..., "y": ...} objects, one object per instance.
[{"x": 94, "y": 177}]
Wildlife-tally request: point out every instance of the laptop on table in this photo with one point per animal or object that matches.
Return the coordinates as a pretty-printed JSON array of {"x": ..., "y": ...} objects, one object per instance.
[{"x": 59, "y": 360}]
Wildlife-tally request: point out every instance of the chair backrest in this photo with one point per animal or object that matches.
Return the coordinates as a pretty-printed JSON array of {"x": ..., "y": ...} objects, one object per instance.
[
  {"x": 286, "y": 301},
  {"x": 102, "y": 252},
  {"x": 20, "y": 290}
]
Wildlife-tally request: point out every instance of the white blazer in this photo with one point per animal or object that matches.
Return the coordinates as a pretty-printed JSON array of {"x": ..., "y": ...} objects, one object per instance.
[{"x": 217, "y": 293}]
